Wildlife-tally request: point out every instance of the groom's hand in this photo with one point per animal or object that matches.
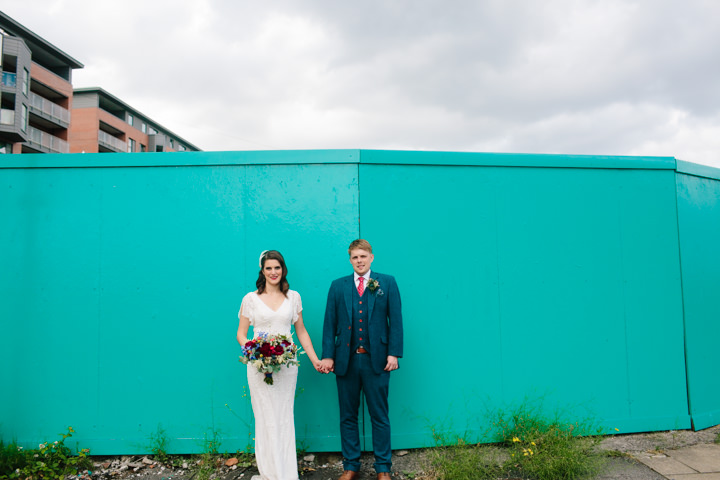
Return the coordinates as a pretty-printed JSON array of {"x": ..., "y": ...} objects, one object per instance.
[
  {"x": 328, "y": 364},
  {"x": 392, "y": 363}
]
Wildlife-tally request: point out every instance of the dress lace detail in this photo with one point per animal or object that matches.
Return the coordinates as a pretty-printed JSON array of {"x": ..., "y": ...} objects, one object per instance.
[{"x": 273, "y": 405}]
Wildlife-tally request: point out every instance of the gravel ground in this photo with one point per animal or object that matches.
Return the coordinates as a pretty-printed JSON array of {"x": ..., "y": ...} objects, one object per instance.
[{"x": 407, "y": 464}]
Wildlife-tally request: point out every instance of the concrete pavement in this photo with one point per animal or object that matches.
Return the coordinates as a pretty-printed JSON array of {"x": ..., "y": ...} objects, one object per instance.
[{"x": 696, "y": 462}]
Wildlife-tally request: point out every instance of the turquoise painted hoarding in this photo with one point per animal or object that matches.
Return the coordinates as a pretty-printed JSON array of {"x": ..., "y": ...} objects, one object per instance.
[
  {"x": 521, "y": 275},
  {"x": 698, "y": 193}
]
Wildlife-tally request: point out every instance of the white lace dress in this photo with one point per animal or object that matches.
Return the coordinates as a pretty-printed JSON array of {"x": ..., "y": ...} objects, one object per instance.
[{"x": 273, "y": 405}]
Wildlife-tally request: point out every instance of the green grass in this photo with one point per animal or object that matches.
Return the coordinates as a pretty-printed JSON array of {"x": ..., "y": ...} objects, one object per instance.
[
  {"x": 466, "y": 462},
  {"x": 528, "y": 444},
  {"x": 158, "y": 445},
  {"x": 49, "y": 461}
]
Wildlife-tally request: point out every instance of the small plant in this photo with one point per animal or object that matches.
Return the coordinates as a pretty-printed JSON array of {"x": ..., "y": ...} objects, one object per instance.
[
  {"x": 529, "y": 445},
  {"x": 245, "y": 457},
  {"x": 50, "y": 460},
  {"x": 12, "y": 457},
  {"x": 159, "y": 445},
  {"x": 209, "y": 460},
  {"x": 466, "y": 462},
  {"x": 546, "y": 448},
  {"x": 717, "y": 437}
]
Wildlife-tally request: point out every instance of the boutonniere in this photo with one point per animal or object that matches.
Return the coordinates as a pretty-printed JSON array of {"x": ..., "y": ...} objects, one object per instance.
[{"x": 374, "y": 287}]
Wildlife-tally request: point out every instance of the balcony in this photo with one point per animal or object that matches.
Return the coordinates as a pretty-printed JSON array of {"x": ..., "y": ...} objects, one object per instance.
[
  {"x": 9, "y": 79},
  {"x": 111, "y": 143},
  {"x": 44, "y": 142},
  {"x": 48, "y": 110}
]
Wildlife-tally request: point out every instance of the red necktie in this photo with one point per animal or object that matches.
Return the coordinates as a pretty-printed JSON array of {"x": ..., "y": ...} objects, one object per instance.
[{"x": 361, "y": 285}]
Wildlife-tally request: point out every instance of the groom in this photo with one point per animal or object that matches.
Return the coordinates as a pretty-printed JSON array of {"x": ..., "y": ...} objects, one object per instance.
[{"x": 362, "y": 341}]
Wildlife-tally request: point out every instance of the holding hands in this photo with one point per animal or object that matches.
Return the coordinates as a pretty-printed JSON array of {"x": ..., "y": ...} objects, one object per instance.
[{"x": 325, "y": 365}]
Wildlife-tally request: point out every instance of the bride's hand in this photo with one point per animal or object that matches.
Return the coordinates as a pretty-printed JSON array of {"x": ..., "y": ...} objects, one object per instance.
[{"x": 319, "y": 366}]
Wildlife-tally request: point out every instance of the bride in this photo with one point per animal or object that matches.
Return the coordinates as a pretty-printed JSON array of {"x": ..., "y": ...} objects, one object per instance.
[{"x": 273, "y": 309}]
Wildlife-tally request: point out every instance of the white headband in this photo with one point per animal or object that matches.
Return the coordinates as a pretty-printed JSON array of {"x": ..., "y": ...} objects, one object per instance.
[{"x": 261, "y": 257}]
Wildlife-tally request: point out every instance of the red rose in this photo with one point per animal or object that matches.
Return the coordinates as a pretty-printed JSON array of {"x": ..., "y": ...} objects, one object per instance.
[{"x": 279, "y": 350}]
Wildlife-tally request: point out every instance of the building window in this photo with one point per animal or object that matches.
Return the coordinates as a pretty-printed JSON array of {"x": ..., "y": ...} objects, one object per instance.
[
  {"x": 24, "y": 118},
  {"x": 131, "y": 145},
  {"x": 26, "y": 82},
  {"x": 143, "y": 127},
  {"x": 130, "y": 119},
  {"x": 143, "y": 148}
]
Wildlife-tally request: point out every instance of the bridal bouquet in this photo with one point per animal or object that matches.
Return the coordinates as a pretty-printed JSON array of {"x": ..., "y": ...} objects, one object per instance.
[{"x": 268, "y": 353}]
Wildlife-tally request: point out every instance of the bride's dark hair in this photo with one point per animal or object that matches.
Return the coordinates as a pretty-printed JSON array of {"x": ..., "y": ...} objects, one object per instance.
[{"x": 272, "y": 255}]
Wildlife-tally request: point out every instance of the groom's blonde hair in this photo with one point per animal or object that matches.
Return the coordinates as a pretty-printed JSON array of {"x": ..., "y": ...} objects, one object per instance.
[{"x": 360, "y": 244}]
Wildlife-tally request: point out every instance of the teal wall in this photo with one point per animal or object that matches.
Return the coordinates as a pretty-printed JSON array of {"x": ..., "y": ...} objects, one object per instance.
[
  {"x": 522, "y": 276},
  {"x": 698, "y": 194}
]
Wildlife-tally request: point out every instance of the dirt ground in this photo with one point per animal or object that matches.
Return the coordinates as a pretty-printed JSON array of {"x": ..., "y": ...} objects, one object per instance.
[{"x": 407, "y": 464}]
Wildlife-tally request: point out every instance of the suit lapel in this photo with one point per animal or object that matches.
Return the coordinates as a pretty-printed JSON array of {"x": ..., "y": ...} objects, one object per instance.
[
  {"x": 371, "y": 297},
  {"x": 347, "y": 292}
]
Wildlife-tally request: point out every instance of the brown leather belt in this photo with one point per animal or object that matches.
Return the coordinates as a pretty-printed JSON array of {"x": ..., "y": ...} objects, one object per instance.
[{"x": 361, "y": 350}]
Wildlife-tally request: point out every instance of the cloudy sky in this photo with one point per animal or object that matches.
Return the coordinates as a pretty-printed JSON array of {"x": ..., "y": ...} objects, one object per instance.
[{"x": 630, "y": 77}]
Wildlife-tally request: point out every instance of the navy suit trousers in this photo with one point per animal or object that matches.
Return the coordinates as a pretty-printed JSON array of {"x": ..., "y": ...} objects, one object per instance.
[{"x": 360, "y": 377}]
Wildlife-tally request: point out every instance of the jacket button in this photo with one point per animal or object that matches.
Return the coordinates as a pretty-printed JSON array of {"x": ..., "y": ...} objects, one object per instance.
[
  {"x": 360, "y": 302},
  {"x": 361, "y": 339},
  {"x": 361, "y": 329},
  {"x": 360, "y": 311},
  {"x": 348, "y": 344},
  {"x": 349, "y": 328}
]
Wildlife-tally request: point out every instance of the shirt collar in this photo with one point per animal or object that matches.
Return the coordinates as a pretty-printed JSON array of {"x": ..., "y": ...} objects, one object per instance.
[{"x": 366, "y": 276}]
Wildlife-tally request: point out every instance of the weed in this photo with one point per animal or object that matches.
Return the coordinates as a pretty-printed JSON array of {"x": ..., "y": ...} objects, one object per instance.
[
  {"x": 159, "y": 444},
  {"x": 547, "y": 448},
  {"x": 209, "y": 460},
  {"x": 466, "y": 462},
  {"x": 49, "y": 460},
  {"x": 615, "y": 454},
  {"x": 717, "y": 437},
  {"x": 529, "y": 445}
]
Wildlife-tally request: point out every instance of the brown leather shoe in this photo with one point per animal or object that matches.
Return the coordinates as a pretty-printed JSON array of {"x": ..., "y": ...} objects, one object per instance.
[
  {"x": 348, "y": 475},
  {"x": 384, "y": 476}
]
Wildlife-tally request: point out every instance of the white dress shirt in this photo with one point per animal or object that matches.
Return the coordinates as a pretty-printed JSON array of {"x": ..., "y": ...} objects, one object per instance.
[{"x": 366, "y": 277}]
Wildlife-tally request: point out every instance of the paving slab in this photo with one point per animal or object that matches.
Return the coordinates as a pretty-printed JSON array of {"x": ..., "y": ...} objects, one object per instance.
[
  {"x": 696, "y": 476},
  {"x": 702, "y": 458},
  {"x": 664, "y": 465},
  {"x": 622, "y": 468}
]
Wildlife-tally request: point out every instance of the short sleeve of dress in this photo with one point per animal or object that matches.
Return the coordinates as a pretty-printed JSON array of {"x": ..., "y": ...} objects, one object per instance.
[
  {"x": 247, "y": 309},
  {"x": 296, "y": 305}
]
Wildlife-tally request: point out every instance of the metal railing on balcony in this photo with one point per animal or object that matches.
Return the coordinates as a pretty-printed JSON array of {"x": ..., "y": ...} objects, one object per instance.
[
  {"x": 7, "y": 117},
  {"x": 45, "y": 142},
  {"x": 53, "y": 110},
  {"x": 9, "y": 79},
  {"x": 113, "y": 143}
]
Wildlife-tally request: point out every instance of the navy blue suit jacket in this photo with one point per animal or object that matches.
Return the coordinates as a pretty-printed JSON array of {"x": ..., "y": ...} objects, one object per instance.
[{"x": 385, "y": 330}]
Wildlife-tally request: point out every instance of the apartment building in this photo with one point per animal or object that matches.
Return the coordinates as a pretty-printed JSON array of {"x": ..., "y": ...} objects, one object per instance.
[
  {"x": 102, "y": 122},
  {"x": 36, "y": 92},
  {"x": 40, "y": 112}
]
